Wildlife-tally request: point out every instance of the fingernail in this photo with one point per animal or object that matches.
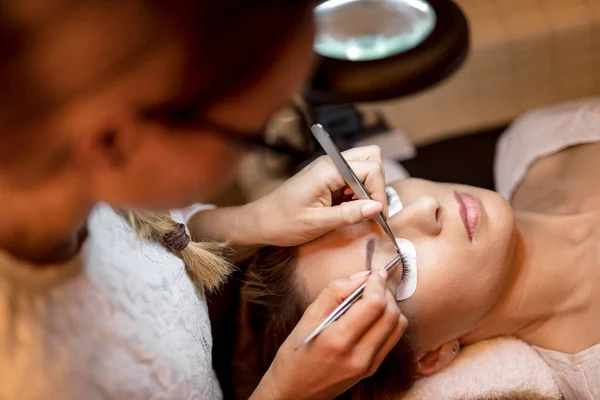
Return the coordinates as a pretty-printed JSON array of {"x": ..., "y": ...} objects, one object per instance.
[
  {"x": 371, "y": 209},
  {"x": 359, "y": 275},
  {"x": 383, "y": 273}
]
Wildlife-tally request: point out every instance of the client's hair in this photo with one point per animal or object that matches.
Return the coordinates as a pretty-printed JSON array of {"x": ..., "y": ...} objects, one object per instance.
[{"x": 275, "y": 304}]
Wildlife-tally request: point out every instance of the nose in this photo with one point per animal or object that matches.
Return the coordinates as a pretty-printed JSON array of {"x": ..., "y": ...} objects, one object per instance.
[{"x": 419, "y": 217}]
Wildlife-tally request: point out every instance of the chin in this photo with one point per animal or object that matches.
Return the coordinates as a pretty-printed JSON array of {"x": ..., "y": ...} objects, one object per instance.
[
  {"x": 192, "y": 190},
  {"x": 500, "y": 219},
  {"x": 168, "y": 199}
]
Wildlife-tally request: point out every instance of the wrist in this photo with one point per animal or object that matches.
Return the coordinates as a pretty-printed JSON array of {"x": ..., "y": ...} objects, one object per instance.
[
  {"x": 258, "y": 222},
  {"x": 267, "y": 390},
  {"x": 248, "y": 225}
]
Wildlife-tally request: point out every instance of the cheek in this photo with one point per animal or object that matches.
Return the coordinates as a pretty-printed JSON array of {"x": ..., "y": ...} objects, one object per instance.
[
  {"x": 213, "y": 165},
  {"x": 452, "y": 292},
  {"x": 458, "y": 286},
  {"x": 476, "y": 274},
  {"x": 187, "y": 170},
  {"x": 442, "y": 271}
]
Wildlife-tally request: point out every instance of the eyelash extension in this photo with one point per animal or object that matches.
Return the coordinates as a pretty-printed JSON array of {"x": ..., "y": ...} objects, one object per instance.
[{"x": 405, "y": 269}]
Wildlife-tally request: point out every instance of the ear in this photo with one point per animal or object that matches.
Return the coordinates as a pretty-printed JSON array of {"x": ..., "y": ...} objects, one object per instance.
[
  {"x": 431, "y": 362},
  {"x": 111, "y": 146}
]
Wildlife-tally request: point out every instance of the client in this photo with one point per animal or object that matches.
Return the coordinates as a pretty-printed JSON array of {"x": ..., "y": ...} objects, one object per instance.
[{"x": 485, "y": 267}]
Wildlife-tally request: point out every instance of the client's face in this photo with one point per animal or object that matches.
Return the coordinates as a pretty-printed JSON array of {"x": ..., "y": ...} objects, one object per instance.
[{"x": 462, "y": 270}]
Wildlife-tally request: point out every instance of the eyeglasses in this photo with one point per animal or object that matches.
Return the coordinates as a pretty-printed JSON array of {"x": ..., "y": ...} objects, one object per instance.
[{"x": 188, "y": 118}]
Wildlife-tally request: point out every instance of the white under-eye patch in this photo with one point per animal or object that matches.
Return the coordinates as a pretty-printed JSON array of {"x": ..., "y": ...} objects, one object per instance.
[
  {"x": 394, "y": 203},
  {"x": 409, "y": 278}
]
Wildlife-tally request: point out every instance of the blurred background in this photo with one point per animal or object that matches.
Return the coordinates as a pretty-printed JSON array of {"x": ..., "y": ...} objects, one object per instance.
[{"x": 521, "y": 54}]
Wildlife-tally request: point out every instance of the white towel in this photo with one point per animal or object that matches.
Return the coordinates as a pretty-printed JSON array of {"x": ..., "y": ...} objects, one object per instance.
[{"x": 394, "y": 171}]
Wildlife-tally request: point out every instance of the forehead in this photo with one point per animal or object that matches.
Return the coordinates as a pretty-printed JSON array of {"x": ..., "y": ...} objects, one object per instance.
[
  {"x": 88, "y": 46},
  {"x": 339, "y": 253}
]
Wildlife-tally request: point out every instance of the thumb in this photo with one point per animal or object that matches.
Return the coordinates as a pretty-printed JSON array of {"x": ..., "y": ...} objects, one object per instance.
[{"x": 348, "y": 213}]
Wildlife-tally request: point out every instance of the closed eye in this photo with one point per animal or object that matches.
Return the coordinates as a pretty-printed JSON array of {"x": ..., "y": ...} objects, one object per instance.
[
  {"x": 370, "y": 250},
  {"x": 405, "y": 269}
]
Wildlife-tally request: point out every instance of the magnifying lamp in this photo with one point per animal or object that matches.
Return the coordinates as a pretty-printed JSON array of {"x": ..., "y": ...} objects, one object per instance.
[
  {"x": 373, "y": 50},
  {"x": 358, "y": 30}
]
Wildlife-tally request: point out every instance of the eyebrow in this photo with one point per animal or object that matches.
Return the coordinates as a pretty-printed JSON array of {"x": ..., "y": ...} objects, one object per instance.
[{"x": 369, "y": 252}]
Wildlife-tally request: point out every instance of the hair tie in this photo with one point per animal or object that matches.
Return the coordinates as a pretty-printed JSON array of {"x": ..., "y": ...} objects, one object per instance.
[{"x": 178, "y": 239}]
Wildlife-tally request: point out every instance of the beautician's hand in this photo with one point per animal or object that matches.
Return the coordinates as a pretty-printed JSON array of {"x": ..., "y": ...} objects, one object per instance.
[
  {"x": 347, "y": 351},
  {"x": 306, "y": 206}
]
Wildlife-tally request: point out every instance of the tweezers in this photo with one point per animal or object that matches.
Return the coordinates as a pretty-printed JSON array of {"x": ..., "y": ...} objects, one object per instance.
[
  {"x": 349, "y": 176},
  {"x": 359, "y": 190},
  {"x": 345, "y": 305}
]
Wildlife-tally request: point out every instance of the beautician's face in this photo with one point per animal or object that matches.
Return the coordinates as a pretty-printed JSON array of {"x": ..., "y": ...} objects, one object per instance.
[
  {"x": 176, "y": 168},
  {"x": 460, "y": 278},
  {"x": 145, "y": 163}
]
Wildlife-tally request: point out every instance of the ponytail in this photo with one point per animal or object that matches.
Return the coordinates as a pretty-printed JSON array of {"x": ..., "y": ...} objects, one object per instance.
[{"x": 205, "y": 262}]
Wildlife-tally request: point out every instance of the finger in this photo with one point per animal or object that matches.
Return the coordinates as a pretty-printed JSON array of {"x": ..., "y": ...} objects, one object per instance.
[
  {"x": 373, "y": 180},
  {"x": 371, "y": 153},
  {"x": 326, "y": 171},
  {"x": 347, "y": 213},
  {"x": 381, "y": 333},
  {"x": 331, "y": 297},
  {"x": 361, "y": 316},
  {"x": 368, "y": 172},
  {"x": 364, "y": 153},
  {"x": 392, "y": 340},
  {"x": 351, "y": 212}
]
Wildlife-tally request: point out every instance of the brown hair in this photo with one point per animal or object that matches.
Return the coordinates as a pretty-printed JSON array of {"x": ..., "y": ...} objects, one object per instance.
[
  {"x": 205, "y": 262},
  {"x": 275, "y": 303}
]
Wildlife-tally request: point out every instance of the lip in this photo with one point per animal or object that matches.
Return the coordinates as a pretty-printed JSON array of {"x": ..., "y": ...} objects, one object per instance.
[{"x": 469, "y": 211}]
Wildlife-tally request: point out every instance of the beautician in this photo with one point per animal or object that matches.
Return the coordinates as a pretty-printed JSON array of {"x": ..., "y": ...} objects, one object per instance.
[{"x": 149, "y": 105}]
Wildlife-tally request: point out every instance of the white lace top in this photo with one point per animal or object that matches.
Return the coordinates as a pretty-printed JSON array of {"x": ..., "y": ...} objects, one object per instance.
[
  {"x": 535, "y": 135},
  {"x": 121, "y": 321}
]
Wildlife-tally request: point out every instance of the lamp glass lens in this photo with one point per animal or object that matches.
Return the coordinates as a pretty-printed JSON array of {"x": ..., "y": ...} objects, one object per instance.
[{"x": 360, "y": 30}]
